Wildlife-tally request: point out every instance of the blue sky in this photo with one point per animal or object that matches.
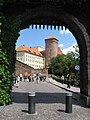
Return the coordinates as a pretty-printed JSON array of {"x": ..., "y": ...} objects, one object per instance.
[{"x": 36, "y": 37}]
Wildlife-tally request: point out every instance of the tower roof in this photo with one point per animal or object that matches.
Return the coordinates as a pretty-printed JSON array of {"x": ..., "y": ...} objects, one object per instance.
[{"x": 51, "y": 37}]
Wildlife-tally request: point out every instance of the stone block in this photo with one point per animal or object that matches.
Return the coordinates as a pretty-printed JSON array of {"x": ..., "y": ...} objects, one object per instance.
[{"x": 85, "y": 100}]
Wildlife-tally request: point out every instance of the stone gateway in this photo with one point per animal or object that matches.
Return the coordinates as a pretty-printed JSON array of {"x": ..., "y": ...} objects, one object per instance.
[{"x": 73, "y": 14}]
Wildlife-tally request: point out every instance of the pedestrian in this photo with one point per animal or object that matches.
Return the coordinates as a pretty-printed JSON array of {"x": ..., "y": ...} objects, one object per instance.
[
  {"x": 30, "y": 78},
  {"x": 68, "y": 80},
  {"x": 16, "y": 77},
  {"x": 17, "y": 81},
  {"x": 62, "y": 79},
  {"x": 20, "y": 77},
  {"x": 37, "y": 79},
  {"x": 25, "y": 77}
]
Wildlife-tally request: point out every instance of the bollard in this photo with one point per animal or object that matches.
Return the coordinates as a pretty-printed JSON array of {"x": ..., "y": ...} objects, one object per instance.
[
  {"x": 68, "y": 103},
  {"x": 31, "y": 103}
]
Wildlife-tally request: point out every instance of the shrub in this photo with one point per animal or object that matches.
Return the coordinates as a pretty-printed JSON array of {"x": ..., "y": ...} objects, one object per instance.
[
  {"x": 5, "y": 97},
  {"x": 56, "y": 78},
  {"x": 5, "y": 78}
]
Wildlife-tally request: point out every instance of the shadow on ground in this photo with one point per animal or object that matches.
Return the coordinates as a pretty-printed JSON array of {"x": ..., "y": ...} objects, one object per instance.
[
  {"x": 42, "y": 97},
  {"x": 18, "y": 97}
]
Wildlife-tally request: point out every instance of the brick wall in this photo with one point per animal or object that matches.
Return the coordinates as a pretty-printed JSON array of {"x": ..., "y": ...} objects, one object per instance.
[{"x": 23, "y": 68}]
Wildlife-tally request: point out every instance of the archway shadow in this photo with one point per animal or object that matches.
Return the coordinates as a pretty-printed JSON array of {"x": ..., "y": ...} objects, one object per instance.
[{"x": 42, "y": 97}]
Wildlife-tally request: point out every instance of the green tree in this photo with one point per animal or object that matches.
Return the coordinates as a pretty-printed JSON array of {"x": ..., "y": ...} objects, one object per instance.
[
  {"x": 5, "y": 78},
  {"x": 73, "y": 60},
  {"x": 64, "y": 64},
  {"x": 58, "y": 65}
]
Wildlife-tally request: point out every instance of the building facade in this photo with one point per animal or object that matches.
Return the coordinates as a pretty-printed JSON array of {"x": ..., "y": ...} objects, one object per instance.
[
  {"x": 30, "y": 56},
  {"x": 38, "y": 57}
]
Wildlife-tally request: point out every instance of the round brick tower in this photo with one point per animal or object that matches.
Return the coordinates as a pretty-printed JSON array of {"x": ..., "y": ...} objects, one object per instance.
[{"x": 51, "y": 46}]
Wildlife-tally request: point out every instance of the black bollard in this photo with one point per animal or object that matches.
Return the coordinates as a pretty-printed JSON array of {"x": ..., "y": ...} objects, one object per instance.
[
  {"x": 31, "y": 103},
  {"x": 68, "y": 103}
]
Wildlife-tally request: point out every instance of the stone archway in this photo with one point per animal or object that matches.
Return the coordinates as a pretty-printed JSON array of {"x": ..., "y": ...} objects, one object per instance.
[
  {"x": 44, "y": 15},
  {"x": 59, "y": 17}
]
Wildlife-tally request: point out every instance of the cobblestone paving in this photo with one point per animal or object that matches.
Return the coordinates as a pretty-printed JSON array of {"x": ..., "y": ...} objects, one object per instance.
[{"x": 50, "y": 104}]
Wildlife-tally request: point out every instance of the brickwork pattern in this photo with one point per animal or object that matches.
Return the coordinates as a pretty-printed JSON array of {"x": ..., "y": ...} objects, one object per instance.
[{"x": 51, "y": 49}]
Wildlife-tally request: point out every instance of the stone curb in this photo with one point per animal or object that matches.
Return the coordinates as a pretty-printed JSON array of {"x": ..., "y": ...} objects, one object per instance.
[
  {"x": 64, "y": 88},
  {"x": 70, "y": 90}
]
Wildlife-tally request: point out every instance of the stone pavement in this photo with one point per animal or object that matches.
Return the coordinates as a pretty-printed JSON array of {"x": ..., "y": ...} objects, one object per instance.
[{"x": 50, "y": 104}]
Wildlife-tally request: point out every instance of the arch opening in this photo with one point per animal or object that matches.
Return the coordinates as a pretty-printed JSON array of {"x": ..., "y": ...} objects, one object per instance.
[
  {"x": 38, "y": 35},
  {"x": 58, "y": 17},
  {"x": 62, "y": 18}
]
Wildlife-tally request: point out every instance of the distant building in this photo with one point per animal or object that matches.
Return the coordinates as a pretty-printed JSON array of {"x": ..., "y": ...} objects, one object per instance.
[
  {"x": 51, "y": 49},
  {"x": 30, "y": 56},
  {"x": 38, "y": 57}
]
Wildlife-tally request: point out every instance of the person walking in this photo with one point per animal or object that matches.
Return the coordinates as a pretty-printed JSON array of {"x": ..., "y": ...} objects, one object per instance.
[
  {"x": 62, "y": 79},
  {"x": 17, "y": 81},
  {"x": 30, "y": 78},
  {"x": 68, "y": 80},
  {"x": 20, "y": 77},
  {"x": 37, "y": 79}
]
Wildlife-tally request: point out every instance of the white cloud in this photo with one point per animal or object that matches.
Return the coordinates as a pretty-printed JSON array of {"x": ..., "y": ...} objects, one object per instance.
[
  {"x": 61, "y": 32},
  {"x": 61, "y": 45},
  {"x": 65, "y": 31},
  {"x": 71, "y": 48}
]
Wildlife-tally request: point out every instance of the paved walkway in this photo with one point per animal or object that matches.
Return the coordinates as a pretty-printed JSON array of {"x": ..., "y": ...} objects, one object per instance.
[
  {"x": 64, "y": 86},
  {"x": 50, "y": 104}
]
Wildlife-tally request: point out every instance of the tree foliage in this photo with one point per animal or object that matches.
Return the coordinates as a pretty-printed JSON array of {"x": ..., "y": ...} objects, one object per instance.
[
  {"x": 64, "y": 64},
  {"x": 58, "y": 65},
  {"x": 9, "y": 34},
  {"x": 5, "y": 77}
]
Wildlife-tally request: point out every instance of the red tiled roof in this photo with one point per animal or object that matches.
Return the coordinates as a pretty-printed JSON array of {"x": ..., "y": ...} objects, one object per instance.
[
  {"x": 26, "y": 49},
  {"x": 51, "y": 37},
  {"x": 35, "y": 51},
  {"x": 59, "y": 51},
  {"x": 22, "y": 48}
]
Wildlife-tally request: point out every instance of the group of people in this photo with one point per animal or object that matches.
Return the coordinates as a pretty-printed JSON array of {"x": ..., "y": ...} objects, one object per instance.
[
  {"x": 36, "y": 77},
  {"x": 68, "y": 78},
  {"x": 29, "y": 77},
  {"x": 15, "y": 80}
]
